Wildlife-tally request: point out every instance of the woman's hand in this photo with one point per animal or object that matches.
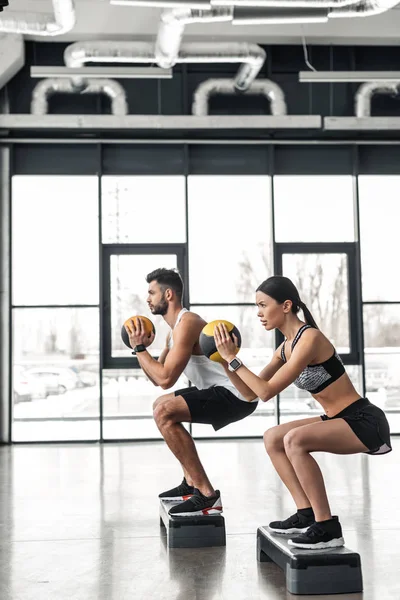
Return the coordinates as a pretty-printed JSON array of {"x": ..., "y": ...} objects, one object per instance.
[
  {"x": 137, "y": 334},
  {"x": 223, "y": 341}
]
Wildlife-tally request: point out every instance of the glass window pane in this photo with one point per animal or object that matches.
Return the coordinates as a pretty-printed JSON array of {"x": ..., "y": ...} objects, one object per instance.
[
  {"x": 128, "y": 404},
  {"x": 315, "y": 208},
  {"x": 141, "y": 209},
  {"x": 379, "y": 228},
  {"x": 55, "y": 240},
  {"x": 56, "y": 374},
  {"x": 322, "y": 281},
  {"x": 382, "y": 359},
  {"x": 256, "y": 351},
  {"x": 229, "y": 237},
  {"x": 128, "y": 296}
]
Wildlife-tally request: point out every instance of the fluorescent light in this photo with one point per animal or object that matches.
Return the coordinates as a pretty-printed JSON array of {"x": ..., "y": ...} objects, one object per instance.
[
  {"x": 347, "y": 76},
  {"x": 111, "y": 72}
]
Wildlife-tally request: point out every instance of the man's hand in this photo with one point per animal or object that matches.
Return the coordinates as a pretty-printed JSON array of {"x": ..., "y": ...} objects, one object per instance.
[{"x": 137, "y": 334}]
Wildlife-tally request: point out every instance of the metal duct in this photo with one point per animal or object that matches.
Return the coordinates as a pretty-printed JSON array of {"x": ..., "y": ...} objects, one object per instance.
[
  {"x": 47, "y": 87},
  {"x": 265, "y": 87},
  {"x": 172, "y": 27},
  {"x": 243, "y": 15},
  {"x": 62, "y": 21},
  {"x": 201, "y": 4},
  {"x": 251, "y": 56},
  {"x": 12, "y": 57},
  {"x": 364, "y": 8},
  {"x": 366, "y": 92}
]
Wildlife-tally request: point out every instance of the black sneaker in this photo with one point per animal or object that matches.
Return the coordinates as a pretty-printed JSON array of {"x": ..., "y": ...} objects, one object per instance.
[
  {"x": 297, "y": 523},
  {"x": 325, "y": 534},
  {"x": 198, "y": 505},
  {"x": 182, "y": 492}
]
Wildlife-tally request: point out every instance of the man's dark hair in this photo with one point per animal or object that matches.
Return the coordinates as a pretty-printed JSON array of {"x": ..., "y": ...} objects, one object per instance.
[{"x": 167, "y": 278}]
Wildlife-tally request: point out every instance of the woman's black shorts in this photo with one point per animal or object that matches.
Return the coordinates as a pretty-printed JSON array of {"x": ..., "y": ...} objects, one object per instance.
[
  {"x": 216, "y": 406},
  {"x": 369, "y": 423}
]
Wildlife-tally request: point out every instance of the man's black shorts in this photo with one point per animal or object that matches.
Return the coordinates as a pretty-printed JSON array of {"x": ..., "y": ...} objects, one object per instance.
[{"x": 216, "y": 406}]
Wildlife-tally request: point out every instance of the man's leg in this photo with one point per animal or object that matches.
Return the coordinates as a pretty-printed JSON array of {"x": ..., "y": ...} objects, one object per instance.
[{"x": 169, "y": 414}]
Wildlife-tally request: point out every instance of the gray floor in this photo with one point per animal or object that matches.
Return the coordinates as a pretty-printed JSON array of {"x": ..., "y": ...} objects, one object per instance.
[{"x": 82, "y": 522}]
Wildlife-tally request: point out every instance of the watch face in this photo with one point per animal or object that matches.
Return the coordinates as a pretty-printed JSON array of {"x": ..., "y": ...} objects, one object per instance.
[{"x": 235, "y": 363}]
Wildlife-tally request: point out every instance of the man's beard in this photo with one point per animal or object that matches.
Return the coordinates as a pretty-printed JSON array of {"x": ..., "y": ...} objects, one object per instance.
[{"x": 161, "y": 308}]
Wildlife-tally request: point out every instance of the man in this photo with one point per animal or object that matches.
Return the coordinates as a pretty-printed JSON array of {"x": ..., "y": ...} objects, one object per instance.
[{"x": 214, "y": 399}]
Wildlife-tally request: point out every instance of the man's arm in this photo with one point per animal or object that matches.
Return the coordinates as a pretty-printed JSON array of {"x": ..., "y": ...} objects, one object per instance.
[
  {"x": 167, "y": 374},
  {"x": 161, "y": 358}
]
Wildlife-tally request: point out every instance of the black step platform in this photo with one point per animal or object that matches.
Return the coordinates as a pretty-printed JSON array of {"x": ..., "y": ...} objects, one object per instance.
[
  {"x": 327, "y": 571},
  {"x": 192, "y": 532}
]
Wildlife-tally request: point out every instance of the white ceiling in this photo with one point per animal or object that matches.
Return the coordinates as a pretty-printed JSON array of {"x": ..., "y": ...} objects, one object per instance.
[{"x": 97, "y": 19}]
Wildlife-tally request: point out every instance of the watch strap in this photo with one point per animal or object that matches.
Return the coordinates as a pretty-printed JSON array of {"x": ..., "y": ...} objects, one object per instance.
[{"x": 139, "y": 348}]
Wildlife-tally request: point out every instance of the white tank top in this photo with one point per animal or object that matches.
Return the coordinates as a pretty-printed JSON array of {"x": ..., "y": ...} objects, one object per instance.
[{"x": 205, "y": 373}]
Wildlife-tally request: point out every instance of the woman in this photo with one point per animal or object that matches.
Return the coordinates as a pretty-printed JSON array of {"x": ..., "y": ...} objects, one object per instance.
[{"x": 350, "y": 425}]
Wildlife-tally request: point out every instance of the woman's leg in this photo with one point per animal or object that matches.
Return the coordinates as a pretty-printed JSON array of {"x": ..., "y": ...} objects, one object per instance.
[
  {"x": 274, "y": 445},
  {"x": 335, "y": 436}
]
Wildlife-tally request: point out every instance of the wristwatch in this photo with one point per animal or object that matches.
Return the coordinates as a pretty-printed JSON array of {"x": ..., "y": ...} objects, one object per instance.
[
  {"x": 234, "y": 364},
  {"x": 139, "y": 348}
]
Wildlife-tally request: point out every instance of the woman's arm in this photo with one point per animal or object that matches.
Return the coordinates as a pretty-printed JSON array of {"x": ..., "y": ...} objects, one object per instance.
[
  {"x": 241, "y": 387},
  {"x": 302, "y": 355}
]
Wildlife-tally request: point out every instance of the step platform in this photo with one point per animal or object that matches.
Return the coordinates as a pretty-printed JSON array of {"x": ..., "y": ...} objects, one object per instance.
[
  {"x": 192, "y": 532},
  {"x": 325, "y": 571}
]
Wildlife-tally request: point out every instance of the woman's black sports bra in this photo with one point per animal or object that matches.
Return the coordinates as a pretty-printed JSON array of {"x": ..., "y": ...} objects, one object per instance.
[{"x": 315, "y": 378}]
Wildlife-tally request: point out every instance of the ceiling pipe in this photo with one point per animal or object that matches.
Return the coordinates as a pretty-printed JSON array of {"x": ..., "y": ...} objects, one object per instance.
[
  {"x": 363, "y": 8},
  {"x": 43, "y": 24},
  {"x": 251, "y": 56},
  {"x": 48, "y": 87},
  {"x": 272, "y": 91},
  {"x": 367, "y": 91},
  {"x": 12, "y": 57}
]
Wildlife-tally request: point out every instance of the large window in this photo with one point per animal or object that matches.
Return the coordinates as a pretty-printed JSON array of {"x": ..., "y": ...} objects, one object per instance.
[
  {"x": 379, "y": 217},
  {"x": 230, "y": 232},
  {"x": 82, "y": 246},
  {"x": 379, "y": 226},
  {"x": 55, "y": 283},
  {"x": 55, "y": 240},
  {"x": 142, "y": 209},
  {"x": 314, "y": 208}
]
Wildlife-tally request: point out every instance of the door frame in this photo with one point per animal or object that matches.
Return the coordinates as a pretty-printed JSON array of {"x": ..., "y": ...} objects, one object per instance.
[
  {"x": 108, "y": 250},
  {"x": 353, "y": 282}
]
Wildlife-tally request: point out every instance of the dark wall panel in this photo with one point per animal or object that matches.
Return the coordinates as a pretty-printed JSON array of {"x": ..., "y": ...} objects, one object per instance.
[
  {"x": 55, "y": 159},
  {"x": 384, "y": 160},
  {"x": 229, "y": 160},
  {"x": 175, "y": 96},
  {"x": 143, "y": 159},
  {"x": 313, "y": 160}
]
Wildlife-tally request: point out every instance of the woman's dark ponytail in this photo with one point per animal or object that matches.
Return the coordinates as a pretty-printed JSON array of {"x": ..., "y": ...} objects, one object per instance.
[
  {"x": 307, "y": 315},
  {"x": 282, "y": 288}
]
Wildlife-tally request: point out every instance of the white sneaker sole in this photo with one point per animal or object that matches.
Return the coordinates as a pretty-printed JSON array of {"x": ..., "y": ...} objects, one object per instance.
[
  {"x": 336, "y": 543},
  {"x": 288, "y": 531},
  {"x": 176, "y": 498}
]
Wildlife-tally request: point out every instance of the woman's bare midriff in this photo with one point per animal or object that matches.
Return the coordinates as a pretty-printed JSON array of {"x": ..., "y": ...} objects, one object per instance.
[{"x": 337, "y": 396}]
